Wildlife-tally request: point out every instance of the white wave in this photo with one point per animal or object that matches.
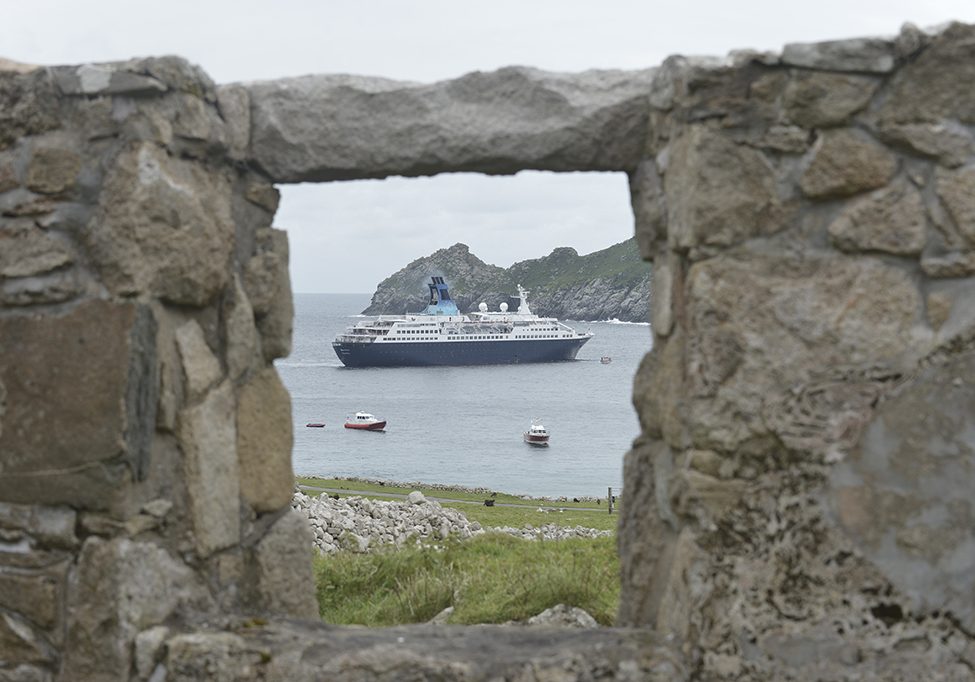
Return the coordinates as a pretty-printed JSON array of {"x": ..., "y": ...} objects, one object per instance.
[
  {"x": 358, "y": 315},
  {"x": 616, "y": 320}
]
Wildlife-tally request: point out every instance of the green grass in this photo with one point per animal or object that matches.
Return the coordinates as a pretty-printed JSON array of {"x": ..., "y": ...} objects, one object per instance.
[
  {"x": 486, "y": 516},
  {"x": 517, "y": 517},
  {"x": 489, "y": 579}
]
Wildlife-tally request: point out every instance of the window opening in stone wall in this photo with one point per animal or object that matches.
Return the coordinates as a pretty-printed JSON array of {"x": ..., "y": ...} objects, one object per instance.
[{"x": 367, "y": 248}]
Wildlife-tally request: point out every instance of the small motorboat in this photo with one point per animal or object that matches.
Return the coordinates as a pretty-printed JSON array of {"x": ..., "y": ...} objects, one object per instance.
[
  {"x": 315, "y": 425},
  {"x": 536, "y": 434},
  {"x": 605, "y": 359},
  {"x": 365, "y": 422}
]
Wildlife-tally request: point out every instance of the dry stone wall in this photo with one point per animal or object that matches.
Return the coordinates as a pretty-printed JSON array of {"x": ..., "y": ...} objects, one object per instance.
[
  {"x": 144, "y": 294},
  {"x": 797, "y": 507}
]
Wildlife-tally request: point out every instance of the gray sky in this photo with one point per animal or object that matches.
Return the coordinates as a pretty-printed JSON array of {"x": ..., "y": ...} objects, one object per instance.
[{"x": 348, "y": 236}]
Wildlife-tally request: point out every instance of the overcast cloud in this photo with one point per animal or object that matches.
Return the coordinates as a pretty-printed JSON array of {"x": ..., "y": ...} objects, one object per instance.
[{"x": 348, "y": 236}]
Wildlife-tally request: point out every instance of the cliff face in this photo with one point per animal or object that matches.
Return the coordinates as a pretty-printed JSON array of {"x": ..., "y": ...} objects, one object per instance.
[{"x": 607, "y": 284}]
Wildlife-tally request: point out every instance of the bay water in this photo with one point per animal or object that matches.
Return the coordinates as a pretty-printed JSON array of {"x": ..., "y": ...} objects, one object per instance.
[{"x": 464, "y": 425}]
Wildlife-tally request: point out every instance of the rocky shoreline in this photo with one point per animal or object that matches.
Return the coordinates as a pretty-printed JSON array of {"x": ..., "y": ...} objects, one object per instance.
[{"x": 358, "y": 524}]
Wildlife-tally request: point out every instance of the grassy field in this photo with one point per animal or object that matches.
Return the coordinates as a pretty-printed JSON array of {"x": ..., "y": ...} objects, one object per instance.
[
  {"x": 489, "y": 579},
  {"x": 486, "y": 516}
]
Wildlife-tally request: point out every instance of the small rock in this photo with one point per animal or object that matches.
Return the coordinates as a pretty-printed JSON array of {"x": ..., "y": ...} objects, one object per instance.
[
  {"x": 442, "y": 617},
  {"x": 416, "y": 497},
  {"x": 158, "y": 507},
  {"x": 561, "y": 615}
]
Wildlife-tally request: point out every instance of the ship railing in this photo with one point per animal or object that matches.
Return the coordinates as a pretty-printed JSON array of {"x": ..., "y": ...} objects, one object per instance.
[{"x": 354, "y": 338}]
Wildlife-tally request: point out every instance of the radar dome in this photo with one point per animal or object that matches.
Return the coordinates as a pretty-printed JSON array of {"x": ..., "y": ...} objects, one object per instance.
[
  {"x": 504, "y": 307},
  {"x": 482, "y": 307}
]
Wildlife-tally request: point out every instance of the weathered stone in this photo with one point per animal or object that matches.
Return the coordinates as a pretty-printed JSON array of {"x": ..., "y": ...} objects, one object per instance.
[
  {"x": 194, "y": 119},
  {"x": 662, "y": 301},
  {"x": 208, "y": 439},
  {"x": 47, "y": 526},
  {"x": 718, "y": 193},
  {"x": 956, "y": 188},
  {"x": 104, "y": 79},
  {"x": 80, "y": 403},
  {"x": 872, "y": 55},
  {"x": 22, "y": 643},
  {"x": 268, "y": 288},
  {"x": 28, "y": 105},
  {"x": 890, "y": 220},
  {"x": 303, "y": 652},
  {"x": 52, "y": 170},
  {"x": 749, "y": 313},
  {"x": 25, "y": 673},
  {"x": 119, "y": 589},
  {"x": 349, "y": 127},
  {"x": 53, "y": 287},
  {"x": 846, "y": 162},
  {"x": 947, "y": 141},
  {"x": 416, "y": 497},
  {"x": 644, "y": 537},
  {"x": 561, "y": 615},
  {"x": 703, "y": 496},
  {"x": 148, "y": 649},
  {"x": 243, "y": 342},
  {"x": 649, "y": 207},
  {"x": 283, "y": 558},
  {"x": 814, "y": 99},
  {"x": 706, "y": 461},
  {"x": 927, "y": 88},
  {"x": 233, "y": 102},
  {"x": 264, "y": 195},
  {"x": 905, "y": 494},
  {"x": 163, "y": 227},
  {"x": 201, "y": 369},
  {"x": 8, "y": 177},
  {"x": 949, "y": 265},
  {"x": 26, "y": 250},
  {"x": 264, "y": 440},
  {"x": 785, "y": 139},
  {"x": 34, "y": 594},
  {"x": 938, "y": 306},
  {"x": 159, "y": 507}
]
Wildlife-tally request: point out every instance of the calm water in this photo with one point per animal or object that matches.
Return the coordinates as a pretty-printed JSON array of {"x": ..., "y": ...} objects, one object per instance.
[{"x": 463, "y": 425}]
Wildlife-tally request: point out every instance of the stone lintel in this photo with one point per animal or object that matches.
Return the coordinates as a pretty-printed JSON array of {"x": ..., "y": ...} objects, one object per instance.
[{"x": 340, "y": 127}]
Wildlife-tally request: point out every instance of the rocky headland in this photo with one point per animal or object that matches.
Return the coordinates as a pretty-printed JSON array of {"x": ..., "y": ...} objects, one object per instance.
[{"x": 613, "y": 283}]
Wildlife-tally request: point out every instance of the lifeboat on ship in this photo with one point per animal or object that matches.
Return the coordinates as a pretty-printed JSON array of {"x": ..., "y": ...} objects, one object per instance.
[
  {"x": 363, "y": 421},
  {"x": 536, "y": 434}
]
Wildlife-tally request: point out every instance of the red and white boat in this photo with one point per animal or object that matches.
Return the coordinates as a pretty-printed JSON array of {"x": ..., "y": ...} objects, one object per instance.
[
  {"x": 365, "y": 422},
  {"x": 536, "y": 434}
]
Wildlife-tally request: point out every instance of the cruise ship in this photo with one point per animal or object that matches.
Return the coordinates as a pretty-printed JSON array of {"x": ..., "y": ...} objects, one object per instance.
[{"x": 442, "y": 335}]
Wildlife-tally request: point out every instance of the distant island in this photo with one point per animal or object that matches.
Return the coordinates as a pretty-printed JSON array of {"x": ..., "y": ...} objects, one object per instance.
[{"x": 613, "y": 283}]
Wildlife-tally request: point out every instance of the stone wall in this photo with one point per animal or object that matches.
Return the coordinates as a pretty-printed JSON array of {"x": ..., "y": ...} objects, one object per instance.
[
  {"x": 797, "y": 507},
  {"x": 145, "y": 437}
]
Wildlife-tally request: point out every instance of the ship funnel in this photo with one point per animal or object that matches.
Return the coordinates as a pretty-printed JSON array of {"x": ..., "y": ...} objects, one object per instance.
[{"x": 440, "y": 301}]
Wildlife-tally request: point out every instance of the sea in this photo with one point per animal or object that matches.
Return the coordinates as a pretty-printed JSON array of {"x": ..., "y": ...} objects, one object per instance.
[{"x": 464, "y": 425}]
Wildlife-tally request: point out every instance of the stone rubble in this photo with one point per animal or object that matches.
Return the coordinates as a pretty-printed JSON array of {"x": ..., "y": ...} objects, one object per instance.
[{"x": 359, "y": 524}]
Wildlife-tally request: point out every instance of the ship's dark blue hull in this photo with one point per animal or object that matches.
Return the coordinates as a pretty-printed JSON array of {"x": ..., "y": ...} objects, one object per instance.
[{"x": 440, "y": 353}]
